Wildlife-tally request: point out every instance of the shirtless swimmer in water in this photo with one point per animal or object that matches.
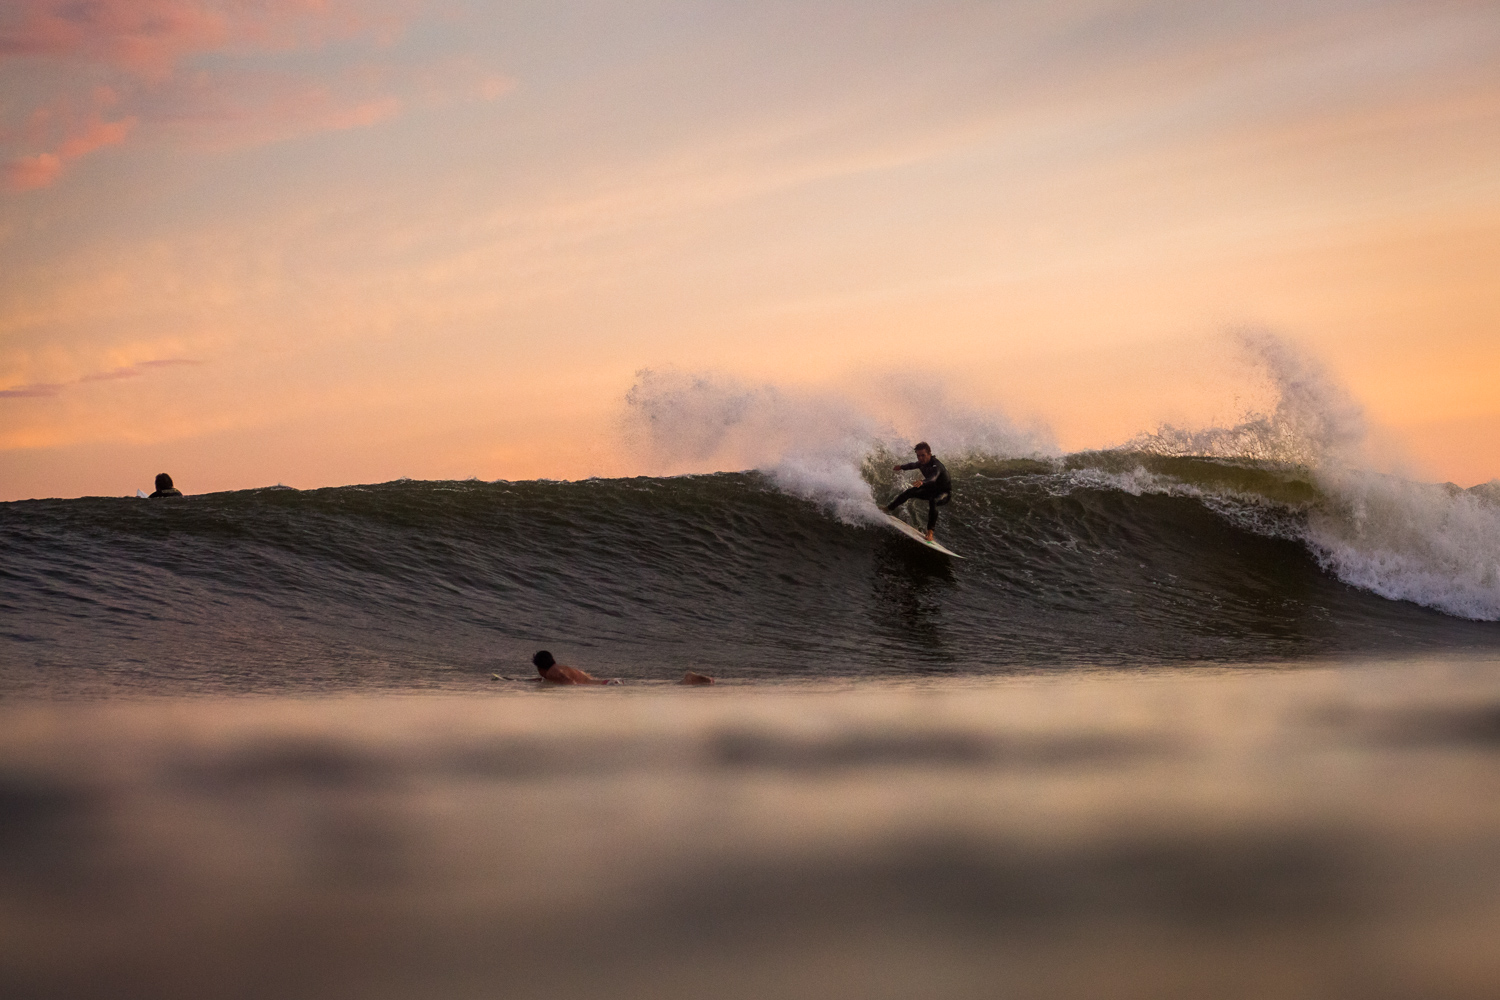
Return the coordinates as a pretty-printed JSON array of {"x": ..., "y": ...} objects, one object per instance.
[{"x": 555, "y": 673}]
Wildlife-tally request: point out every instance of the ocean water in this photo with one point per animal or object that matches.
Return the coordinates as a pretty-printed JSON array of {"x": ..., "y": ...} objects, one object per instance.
[
  {"x": 1248, "y": 832},
  {"x": 1097, "y": 560},
  {"x": 1178, "y": 726}
]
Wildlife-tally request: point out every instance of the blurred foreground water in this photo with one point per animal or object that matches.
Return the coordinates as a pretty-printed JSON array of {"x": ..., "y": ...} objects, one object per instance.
[{"x": 1329, "y": 832}]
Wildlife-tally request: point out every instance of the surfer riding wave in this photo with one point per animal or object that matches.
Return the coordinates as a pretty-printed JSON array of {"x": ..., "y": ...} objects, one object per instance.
[{"x": 936, "y": 487}]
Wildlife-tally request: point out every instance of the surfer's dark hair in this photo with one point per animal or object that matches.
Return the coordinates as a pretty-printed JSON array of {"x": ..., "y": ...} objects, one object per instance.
[
  {"x": 922, "y": 446},
  {"x": 163, "y": 481},
  {"x": 542, "y": 660}
]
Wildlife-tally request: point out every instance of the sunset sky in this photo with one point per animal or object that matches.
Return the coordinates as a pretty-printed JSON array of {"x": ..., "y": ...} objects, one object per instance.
[{"x": 320, "y": 242}]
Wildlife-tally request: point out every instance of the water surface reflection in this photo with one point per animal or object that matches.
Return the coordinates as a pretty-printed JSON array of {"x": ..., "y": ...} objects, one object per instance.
[{"x": 1322, "y": 833}]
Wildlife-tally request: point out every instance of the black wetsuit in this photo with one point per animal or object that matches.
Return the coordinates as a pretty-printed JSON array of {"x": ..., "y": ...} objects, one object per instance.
[
  {"x": 168, "y": 492},
  {"x": 936, "y": 488}
]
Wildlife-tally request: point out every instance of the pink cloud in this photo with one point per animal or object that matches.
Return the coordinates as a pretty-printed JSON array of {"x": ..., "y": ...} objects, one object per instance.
[
  {"x": 150, "y": 37},
  {"x": 143, "y": 35},
  {"x": 140, "y": 45},
  {"x": 96, "y": 135},
  {"x": 26, "y": 173}
]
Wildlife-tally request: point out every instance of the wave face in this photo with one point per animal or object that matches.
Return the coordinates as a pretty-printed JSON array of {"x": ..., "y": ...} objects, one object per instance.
[{"x": 1096, "y": 560}]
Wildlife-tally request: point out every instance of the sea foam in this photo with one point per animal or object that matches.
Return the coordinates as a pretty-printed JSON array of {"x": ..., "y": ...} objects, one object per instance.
[{"x": 1434, "y": 545}]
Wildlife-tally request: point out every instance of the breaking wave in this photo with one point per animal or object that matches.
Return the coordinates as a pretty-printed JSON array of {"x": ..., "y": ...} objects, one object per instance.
[
  {"x": 1434, "y": 545},
  {"x": 1256, "y": 542}
]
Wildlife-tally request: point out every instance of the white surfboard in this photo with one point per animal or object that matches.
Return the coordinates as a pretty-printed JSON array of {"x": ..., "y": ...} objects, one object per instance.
[{"x": 920, "y": 536}]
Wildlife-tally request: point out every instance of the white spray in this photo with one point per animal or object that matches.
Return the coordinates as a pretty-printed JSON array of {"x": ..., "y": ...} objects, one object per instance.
[
  {"x": 1315, "y": 423},
  {"x": 812, "y": 444},
  {"x": 1434, "y": 545}
]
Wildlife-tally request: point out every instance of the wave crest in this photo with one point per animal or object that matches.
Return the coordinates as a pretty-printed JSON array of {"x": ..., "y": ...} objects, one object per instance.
[
  {"x": 1435, "y": 545},
  {"x": 1315, "y": 423}
]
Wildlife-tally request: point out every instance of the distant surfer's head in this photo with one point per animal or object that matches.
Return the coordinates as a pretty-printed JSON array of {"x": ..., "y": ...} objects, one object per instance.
[
  {"x": 163, "y": 481},
  {"x": 542, "y": 660},
  {"x": 922, "y": 448}
]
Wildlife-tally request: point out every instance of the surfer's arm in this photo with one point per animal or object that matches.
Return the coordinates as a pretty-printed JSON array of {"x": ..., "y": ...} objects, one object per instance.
[{"x": 909, "y": 466}]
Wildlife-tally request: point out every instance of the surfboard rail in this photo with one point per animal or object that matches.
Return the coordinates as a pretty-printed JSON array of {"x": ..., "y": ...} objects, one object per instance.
[{"x": 919, "y": 536}]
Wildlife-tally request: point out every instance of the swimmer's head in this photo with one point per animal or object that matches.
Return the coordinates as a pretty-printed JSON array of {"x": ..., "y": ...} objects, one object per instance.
[
  {"x": 923, "y": 451},
  {"x": 163, "y": 481},
  {"x": 542, "y": 660}
]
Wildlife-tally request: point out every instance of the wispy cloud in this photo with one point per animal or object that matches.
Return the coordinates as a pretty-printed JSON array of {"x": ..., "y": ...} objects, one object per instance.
[
  {"x": 155, "y": 57},
  {"x": 35, "y": 389},
  {"x": 136, "y": 370}
]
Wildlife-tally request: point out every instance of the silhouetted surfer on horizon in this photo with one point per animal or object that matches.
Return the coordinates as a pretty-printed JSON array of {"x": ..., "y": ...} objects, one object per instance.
[
  {"x": 164, "y": 487},
  {"x": 936, "y": 488}
]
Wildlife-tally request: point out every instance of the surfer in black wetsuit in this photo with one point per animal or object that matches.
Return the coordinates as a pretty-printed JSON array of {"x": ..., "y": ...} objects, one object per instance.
[
  {"x": 936, "y": 488},
  {"x": 164, "y": 487}
]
